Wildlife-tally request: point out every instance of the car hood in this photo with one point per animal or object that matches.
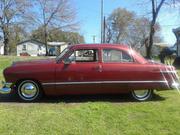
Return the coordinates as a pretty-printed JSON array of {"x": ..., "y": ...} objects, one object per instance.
[{"x": 33, "y": 62}]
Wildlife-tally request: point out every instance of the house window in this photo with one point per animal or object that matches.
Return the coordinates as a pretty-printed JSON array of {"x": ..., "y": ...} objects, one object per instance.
[{"x": 24, "y": 48}]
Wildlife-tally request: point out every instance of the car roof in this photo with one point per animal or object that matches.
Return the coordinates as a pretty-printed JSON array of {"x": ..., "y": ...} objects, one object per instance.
[
  {"x": 115, "y": 46},
  {"x": 120, "y": 46}
]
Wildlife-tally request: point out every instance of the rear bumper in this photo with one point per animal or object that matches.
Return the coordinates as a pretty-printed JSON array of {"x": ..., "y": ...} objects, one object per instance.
[
  {"x": 175, "y": 85},
  {"x": 6, "y": 89}
]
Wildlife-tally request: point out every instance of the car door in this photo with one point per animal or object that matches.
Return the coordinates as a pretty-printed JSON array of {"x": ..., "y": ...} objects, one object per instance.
[
  {"x": 121, "y": 70},
  {"x": 117, "y": 69},
  {"x": 79, "y": 73}
]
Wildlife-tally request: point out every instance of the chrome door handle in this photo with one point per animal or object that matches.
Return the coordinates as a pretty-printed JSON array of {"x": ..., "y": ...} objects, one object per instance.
[{"x": 98, "y": 68}]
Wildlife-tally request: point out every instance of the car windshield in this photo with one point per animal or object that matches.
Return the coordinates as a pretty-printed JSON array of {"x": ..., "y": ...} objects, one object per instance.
[{"x": 62, "y": 53}]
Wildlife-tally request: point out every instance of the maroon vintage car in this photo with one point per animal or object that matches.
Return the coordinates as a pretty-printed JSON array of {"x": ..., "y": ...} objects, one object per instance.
[{"x": 89, "y": 69}]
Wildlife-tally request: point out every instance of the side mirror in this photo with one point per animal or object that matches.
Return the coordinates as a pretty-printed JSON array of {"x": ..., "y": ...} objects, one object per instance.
[{"x": 66, "y": 62}]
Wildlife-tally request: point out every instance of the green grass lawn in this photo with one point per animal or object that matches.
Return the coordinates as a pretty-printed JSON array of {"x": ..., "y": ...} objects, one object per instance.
[{"x": 100, "y": 117}]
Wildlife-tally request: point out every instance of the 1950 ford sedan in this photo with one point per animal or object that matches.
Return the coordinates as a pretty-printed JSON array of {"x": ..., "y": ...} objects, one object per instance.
[{"x": 89, "y": 69}]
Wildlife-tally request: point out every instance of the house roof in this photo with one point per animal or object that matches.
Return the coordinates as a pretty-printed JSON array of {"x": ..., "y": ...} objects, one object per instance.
[
  {"x": 31, "y": 41},
  {"x": 56, "y": 43},
  {"x": 161, "y": 44},
  {"x": 176, "y": 30},
  {"x": 39, "y": 42}
]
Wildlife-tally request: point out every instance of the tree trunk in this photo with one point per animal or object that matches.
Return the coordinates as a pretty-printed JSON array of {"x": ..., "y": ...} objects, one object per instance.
[
  {"x": 45, "y": 39},
  {"x": 150, "y": 43},
  {"x": 6, "y": 43},
  {"x": 155, "y": 12}
]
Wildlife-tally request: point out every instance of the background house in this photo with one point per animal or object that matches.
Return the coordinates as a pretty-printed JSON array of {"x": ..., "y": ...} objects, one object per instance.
[
  {"x": 31, "y": 48},
  {"x": 55, "y": 48},
  {"x": 37, "y": 48},
  {"x": 156, "y": 49},
  {"x": 177, "y": 34},
  {"x": 1, "y": 48}
]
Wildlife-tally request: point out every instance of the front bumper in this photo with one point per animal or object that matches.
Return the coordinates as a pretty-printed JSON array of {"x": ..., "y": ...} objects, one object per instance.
[{"x": 6, "y": 89}]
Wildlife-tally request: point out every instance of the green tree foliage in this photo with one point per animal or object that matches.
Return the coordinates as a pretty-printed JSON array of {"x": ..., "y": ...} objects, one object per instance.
[{"x": 58, "y": 36}]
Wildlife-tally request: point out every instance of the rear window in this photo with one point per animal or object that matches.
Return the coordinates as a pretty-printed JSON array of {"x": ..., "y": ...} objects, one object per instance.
[{"x": 113, "y": 55}]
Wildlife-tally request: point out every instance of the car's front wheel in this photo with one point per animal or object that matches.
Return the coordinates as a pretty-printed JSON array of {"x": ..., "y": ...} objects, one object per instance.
[
  {"x": 29, "y": 91},
  {"x": 142, "y": 95}
]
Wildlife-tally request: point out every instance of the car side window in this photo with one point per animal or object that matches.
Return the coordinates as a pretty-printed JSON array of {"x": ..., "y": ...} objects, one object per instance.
[
  {"x": 113, "y": 55},
  {"x": 83, "y": 55}
]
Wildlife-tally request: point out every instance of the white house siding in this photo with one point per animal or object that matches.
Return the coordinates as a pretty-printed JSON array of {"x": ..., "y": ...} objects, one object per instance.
[
  {"x": 42, "y": 51},
  {"x": 63, "y": 47},
  {"x": 177, "y": 34},
  {"x": 2, "y": 50},
  {"x": 31, "y": 48}
]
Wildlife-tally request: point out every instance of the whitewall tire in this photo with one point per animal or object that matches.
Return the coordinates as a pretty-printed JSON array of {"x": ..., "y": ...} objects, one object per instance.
[
  {"x": 142, "y": 95},
  {"x": 29, "y": 91}
]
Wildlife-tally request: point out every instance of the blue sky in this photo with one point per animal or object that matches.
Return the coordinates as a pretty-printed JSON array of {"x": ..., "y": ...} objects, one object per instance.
[{"x": 88, "y": 13}]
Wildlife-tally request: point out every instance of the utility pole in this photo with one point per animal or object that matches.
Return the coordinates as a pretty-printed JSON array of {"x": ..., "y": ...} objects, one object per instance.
[
  {"x": 104, "y": 29},
  {"x": 94, "y": 38},
  {"x": 102, "y": 14}
]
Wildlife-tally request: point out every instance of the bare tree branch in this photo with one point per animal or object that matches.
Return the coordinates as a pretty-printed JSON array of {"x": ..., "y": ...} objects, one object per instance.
[
  {"x": 11, "y": 12},
  {"x": 54, "y": 13}
]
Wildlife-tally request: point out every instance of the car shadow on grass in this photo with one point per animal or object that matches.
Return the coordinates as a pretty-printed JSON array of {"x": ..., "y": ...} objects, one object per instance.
[{"x": 118, "y": 98}]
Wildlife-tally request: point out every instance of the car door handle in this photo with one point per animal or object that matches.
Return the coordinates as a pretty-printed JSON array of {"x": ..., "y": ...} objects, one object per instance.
[{"x": 98, "y": 68}]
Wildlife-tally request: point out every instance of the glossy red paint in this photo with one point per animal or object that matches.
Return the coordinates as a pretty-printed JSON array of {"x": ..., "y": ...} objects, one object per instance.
[{"x": 58, "y": 78}]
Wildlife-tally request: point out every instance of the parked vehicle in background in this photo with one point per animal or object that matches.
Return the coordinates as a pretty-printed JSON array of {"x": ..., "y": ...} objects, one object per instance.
[{"x": 89, "y": 69}]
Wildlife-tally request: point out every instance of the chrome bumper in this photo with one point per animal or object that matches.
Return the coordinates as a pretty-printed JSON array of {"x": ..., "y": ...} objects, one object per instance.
[
  {"x": 175, "y": 85},
  {"x": 6, "y": 89}
]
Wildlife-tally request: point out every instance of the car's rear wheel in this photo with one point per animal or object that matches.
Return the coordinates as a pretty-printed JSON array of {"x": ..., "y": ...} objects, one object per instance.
[
  {"x": 142, "y": 95},
  {"x": 29, "y": 91}
]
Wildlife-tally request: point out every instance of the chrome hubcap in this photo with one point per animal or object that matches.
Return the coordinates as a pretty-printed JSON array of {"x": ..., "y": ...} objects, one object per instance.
[
  {"x": 141, "y": 93},
  {"x": 29, "y": 90}
]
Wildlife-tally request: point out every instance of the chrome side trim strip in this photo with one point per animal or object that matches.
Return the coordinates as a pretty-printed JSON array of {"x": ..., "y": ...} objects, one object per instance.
[
  {"x": 101, "y": 82},
  {"x": 168, "y": 71}
]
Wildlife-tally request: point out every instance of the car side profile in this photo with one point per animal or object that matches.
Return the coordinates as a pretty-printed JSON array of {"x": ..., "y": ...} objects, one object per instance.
[{"x": 89, "y": 69}]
